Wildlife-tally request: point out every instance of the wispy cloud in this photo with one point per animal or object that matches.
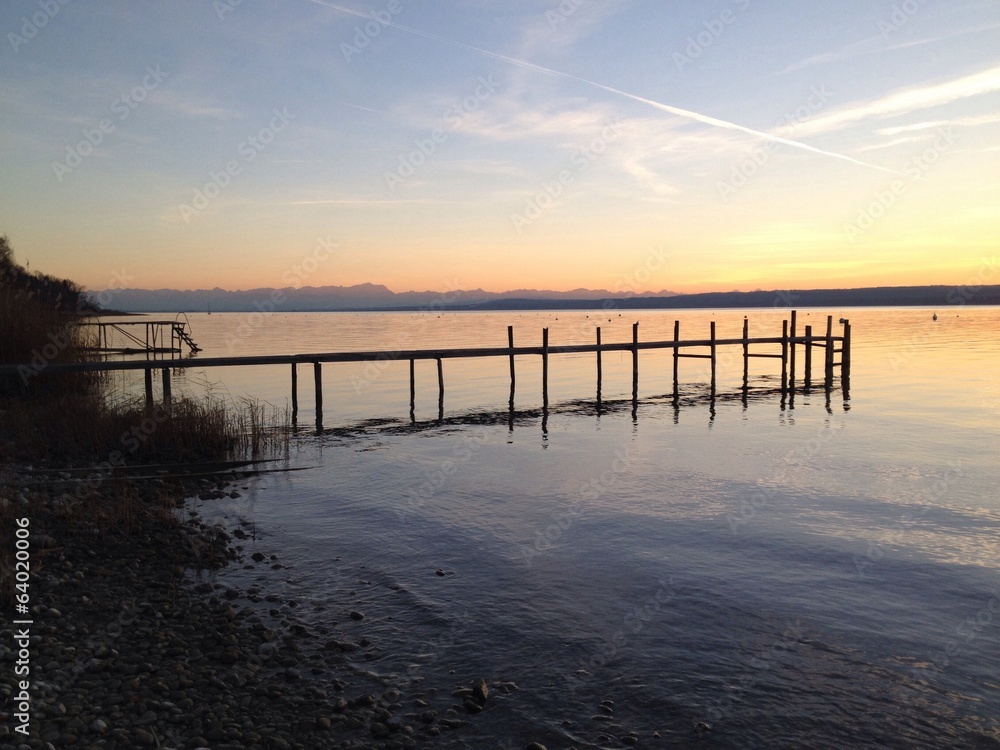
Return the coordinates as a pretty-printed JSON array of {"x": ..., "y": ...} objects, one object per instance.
[
  {"x": 363, "y": 109},
  {"x": 903, "y": 102},
  {"x": 192, "y": 105},
  {"x": 680, "y": 112},
  {"x": 561, "y": 25},
  {"x": 877, "y": 45}
]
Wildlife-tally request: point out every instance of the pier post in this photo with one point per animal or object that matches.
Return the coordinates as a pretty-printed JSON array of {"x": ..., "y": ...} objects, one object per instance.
[
  {"x": 440, "y": 369},
  {"x": 784, "y": 357},
  {"x": 635, "y": 362},
  {"x": 295, "y": 391},
  {"x": 713, "y": 356},
  {"x": 677, "y": 357},
  {"x": 166, "y": 387},
  {"x": 318, "y": 377},
  {"x": 545, "y": 367},
  {"x": 845, "y": 352},
  {"x": 148, "y": 376},
  {"x": 600, "y": 374},
  {"x": 845, "y": 362},
  {"x": 413, "y": 387},
  {"x": 746, "y": 355},
  {"x": 791, "y": 353},
  {"x": 807, "y": 376},
  {"x": 510, "y": 343},
  {"x": 828, "y": 377}
]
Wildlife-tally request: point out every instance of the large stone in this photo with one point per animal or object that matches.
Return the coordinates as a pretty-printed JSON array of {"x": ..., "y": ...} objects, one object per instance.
[{"x": 480, "y": 691}]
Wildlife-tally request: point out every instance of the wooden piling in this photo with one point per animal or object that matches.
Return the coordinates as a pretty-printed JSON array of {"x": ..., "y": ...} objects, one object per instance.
[
  {"x": 784, "y": 357},
  {"x": 828, "y": 376},
  {"x": 791, "y": 354},
  {"x": 600, "y": 374},
  {"x": 148, "y": 377},
  {"x": 440, "y": 368},
  {"x": 845, "y": 352},
  {"x": 510, "y": 344},
  {"x": 545, "y": 367},
  {"x": 677, "y": 357},
  {"x": 807, "y": 375},
  {"x": 413, "y": 386},
  {"x": 746, "y": 355},
  {"x": 318, "y": 378},
  {"x": 167, "y": 399},
  {"x": 635, "y": 361},
  {"x": 713, "y": 356}
]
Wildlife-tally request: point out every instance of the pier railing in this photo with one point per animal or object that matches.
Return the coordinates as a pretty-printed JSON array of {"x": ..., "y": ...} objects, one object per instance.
[
  {"x": 153, "y": 341},
  {"x": 783, "y": 347}
]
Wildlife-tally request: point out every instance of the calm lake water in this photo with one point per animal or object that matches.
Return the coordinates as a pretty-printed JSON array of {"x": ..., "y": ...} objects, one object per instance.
[{"x": 820, "y": 573}]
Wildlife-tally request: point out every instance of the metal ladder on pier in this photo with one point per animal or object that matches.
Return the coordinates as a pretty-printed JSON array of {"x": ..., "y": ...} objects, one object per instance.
[{"x": 180, "y": 332}]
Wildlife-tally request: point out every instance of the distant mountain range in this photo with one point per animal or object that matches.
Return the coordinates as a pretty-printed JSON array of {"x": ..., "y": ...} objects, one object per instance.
[
  {"x": 358, "y": 297},
  {"x": 378, "y": 297}
]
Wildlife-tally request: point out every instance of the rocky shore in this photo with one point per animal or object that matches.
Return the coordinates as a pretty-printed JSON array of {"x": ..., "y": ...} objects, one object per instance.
[{"x": 133, "y": 644}]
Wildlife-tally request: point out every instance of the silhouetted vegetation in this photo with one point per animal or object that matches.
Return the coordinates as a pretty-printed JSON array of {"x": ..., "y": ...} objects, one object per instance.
[
  {"x": 38, "y": 315},
  {"x": 77, "y": 417}
]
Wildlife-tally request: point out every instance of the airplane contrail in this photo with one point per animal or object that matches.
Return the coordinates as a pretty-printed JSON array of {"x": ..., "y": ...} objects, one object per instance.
[{"x": 677, "y": 111}]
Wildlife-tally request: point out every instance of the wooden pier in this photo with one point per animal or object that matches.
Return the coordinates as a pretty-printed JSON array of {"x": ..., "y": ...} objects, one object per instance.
[
  {"x": 783, "y": 347},
  {"x": 155, "y": 337}
]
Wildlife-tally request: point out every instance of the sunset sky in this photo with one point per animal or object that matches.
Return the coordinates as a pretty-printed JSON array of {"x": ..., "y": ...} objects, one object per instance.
[{"x": 502, "y": 144}]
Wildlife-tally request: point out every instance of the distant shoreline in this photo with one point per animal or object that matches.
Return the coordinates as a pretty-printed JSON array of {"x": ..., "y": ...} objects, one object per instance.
[{"x": 322, "y": 300}]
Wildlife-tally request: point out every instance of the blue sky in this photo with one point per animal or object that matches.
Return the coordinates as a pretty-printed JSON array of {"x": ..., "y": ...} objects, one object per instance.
[{"x": 688, "y": 146}]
